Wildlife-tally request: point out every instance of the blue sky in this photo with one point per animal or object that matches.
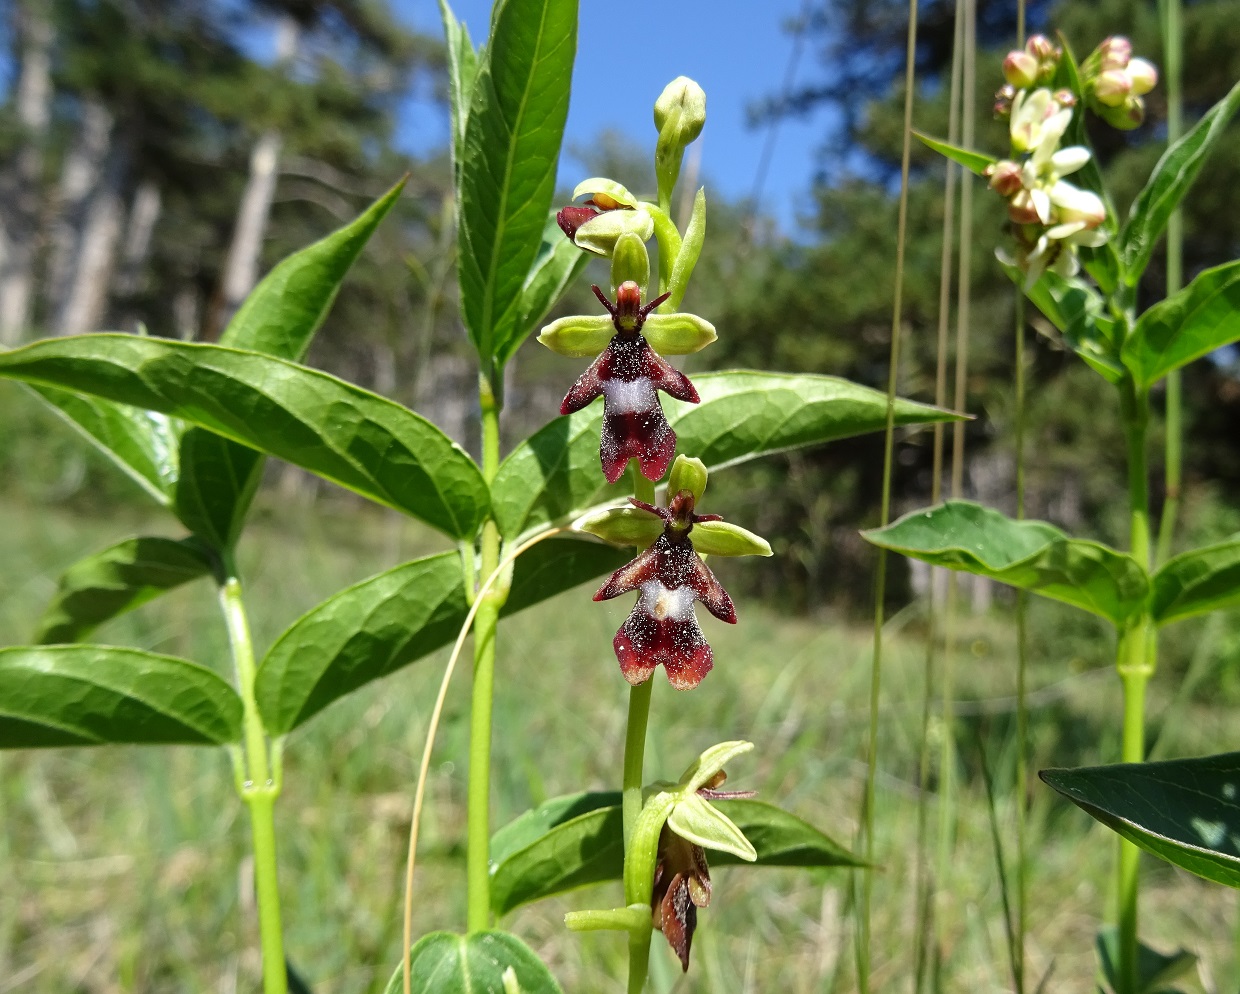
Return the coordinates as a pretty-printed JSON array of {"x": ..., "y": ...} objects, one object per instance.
[{"x": 627, "y": 51}]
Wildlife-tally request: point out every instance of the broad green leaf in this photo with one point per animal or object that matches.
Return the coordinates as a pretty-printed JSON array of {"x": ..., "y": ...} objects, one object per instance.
[
  {"x": 345, "y": 434},
  {"x": 390, "y": 620},
  {"x": 1029, "y": 555},
  {"x": 62, "y": 695},
  {"x": 282, "y": 313},
  {"x": 1184, "y": 811},
  {"x": 462, "y": 67},
  {"x": 1167, "y": 185},
  {"x": 1196, "y": 582},
  {"x": 218, "y": 481},
  {"x": 574, "y": 841},
  {"x": 554, "y": 475},
  {"x": 118, "y": 579},
  {"x": 975, "y": 162},
  {"x": 142, "y": 444},
  {"x": 1155, "y": 970},
  {"x": 558, "y": 264},
  {"x": 279, "y": 318},
  {"x": 1200, "y": 318},
  {"x": 446, "y": 963},
  {"x": 1078, "y": 311},
  {"x": 511, "y": 149}
]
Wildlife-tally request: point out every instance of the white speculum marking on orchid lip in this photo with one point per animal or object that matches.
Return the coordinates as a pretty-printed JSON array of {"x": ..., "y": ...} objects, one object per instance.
[
  {"x": 629, "y": 396},
  {"x": 661, "y": 603}
]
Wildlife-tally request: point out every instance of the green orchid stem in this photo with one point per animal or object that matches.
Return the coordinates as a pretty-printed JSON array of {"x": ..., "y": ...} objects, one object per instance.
[
  {"x": 260, "y": 787},
  {"x": 478, "y": 839},
  {"x": 1135, "y": 661},
  {"x": 634, "y": 773}
]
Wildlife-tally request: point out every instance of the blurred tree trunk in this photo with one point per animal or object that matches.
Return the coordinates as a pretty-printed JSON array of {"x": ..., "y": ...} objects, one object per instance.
[
  {"x": 241, "y": 268},
  {"x": 19, "y": 232},
  {"x": 80, "y": 175},
  {"x": 139, "y": 229},
  {"x": 84, "y": 304}
]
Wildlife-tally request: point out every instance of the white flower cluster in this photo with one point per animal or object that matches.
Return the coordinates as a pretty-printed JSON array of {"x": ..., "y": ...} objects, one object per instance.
[{"x": 1052, "y": 216}]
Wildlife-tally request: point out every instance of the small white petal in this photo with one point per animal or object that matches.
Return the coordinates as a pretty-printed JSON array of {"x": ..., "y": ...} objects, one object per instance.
[
  {"x": 1060, "y": 231},
  {"x": 1069, "y": 160},
  {"x": 1041, "y": 204}
]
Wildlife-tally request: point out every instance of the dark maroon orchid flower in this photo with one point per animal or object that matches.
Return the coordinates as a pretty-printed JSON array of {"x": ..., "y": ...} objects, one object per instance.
[
  {"x": 663, "y": 628},
  {"x": 628, "y": 375}
]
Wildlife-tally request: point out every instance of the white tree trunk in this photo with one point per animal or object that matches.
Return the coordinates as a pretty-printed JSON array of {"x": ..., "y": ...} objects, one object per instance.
[
  {"x": 81, "y": 174},
  {"x": 245, "y": 250},
  {"x": 147, "y": 202},
  {"x": 85, "y": 303},
  {"x": 19, "y": 234}
]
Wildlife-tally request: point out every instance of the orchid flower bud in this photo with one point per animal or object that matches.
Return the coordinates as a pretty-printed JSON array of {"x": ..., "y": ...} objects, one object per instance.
[
  {"x": 1005, "y": 178},
  {"x": 1114, "y": 53},
  {"x": 601, "y": 233},
  {"x": 630, "y": 262},
  {"x": 1112, "y": 87},
  {"x": 680, "y": 115},
  {"x": 1020, "y": 69}
]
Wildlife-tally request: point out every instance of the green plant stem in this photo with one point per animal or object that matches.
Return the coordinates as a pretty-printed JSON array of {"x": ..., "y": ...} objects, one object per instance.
[
  {"x": 1173, "y": 48},
  {"x": 1022, "y": 657},
  {"x": 259, "y": 789},
  {"x": 478, "y": 837},
  {"x": 1135, "y": 659},
  {"x": 634, "y": 772}
]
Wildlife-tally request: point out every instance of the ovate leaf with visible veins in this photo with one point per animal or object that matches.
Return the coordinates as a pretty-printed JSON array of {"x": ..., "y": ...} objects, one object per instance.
[
  {"x": 446, "y": 963},
  {"x": 341, "y": 432},
  {"x": 375, "y": 627},
  {"x": 1192, "y": 583},
  {"x": 1186, "y": 811},
  {"x": 62, "y": 695},
  {"x": 118, "y": 579},
  {"x": 554, "y": 475},
  {"x": 576, "y": 840},
  {"x": 1192, "y": 323},
  {"x": 1029, "y": 555},
  {"x": 508, "y": 164}
]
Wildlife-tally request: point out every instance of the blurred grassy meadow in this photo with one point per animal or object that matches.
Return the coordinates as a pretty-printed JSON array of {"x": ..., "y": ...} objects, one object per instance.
[{"x": 125, "y": 869}]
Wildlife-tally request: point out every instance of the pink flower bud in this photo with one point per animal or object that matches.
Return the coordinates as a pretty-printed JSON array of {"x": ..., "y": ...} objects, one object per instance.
[
  {"x": 1005, "y": 178},
  {"x": 1020, "y": 69},
  {"x": 1114, "y": 52},
  {"x": 1003, "y": 100},
  {"x": 1112, "y": 87},
  {"x": 1065, "y": 98},
  {"x": 1042, "y": 48},
  {"x": 1143, "y": 75}
]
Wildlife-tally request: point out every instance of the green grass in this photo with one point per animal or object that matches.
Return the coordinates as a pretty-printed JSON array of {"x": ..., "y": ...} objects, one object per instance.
[{"x": 124, "y": 869}]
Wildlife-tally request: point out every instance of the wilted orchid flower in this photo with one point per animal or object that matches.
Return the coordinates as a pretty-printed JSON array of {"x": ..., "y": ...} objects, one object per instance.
[
  {"x": 662, "y": 628},
  {"x": 610, "y": 212},
  {"x": 666, "y": 878},
  {"x": 628, "y": 374}
]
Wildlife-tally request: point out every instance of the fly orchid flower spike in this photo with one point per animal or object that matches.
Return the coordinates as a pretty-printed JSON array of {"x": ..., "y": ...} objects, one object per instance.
[
  {"x": 1115, "y": 83},
  {"x": 670, "y": 577},
  {"x": 666, "y": 877},
  {"x": 628, "y": 374}
]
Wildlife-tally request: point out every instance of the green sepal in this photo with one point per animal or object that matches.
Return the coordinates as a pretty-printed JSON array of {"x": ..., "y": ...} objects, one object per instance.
[
  {"x": 678, "y": 334},
  {"x": 695, "y": 820},
  {"x": 579, "y": 335},
  {"x": 687, "y": 257},
  {"x": 703, "y": 769},
  {"x": 601, "y": 233},
  {"x": 630, "y": 262},
  {"x": 720, "y": 538},
  {"x": 688, "y": 473},
  {"x": 608, "y": 187},
  {"x": 623, "y": 526}
]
